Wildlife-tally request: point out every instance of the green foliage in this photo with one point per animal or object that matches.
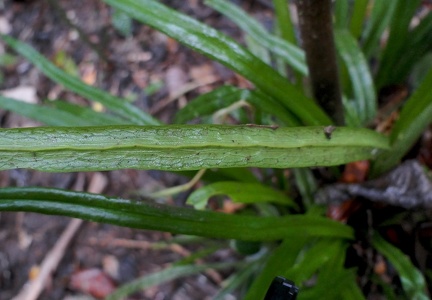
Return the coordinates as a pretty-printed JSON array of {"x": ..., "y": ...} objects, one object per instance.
[
  {"x": 412, "y": 280},
  {"x": 365, "y": 103},
  {"x": 414, "y": 117},
  {"x": 220, "y": 98},
  {"x": 181, "y": 220},
  {"x": 60, "y": 113},
  {"x": 290, "y": 53},
  {"x": 182, "y": 147},
  {"x": 223, "y": 49},
  {"x": 298, "y": 246},
  {"x": 238, "y": 192}
]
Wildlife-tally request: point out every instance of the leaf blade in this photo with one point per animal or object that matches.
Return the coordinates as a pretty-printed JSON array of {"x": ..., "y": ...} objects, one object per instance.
[
  {"x": 287, "y": 51},
  {"x": 224, "y": 96},
  {"x": 361, "y": 77},
  {"x": 182, "y": 147},
  {"x": 47, "y": 115},
  {"x": 239, "y": 192},
  {"x": 412, "y": 280},
  {"x": 153, "y": 216},
  {"x": 413, "y": 119}
]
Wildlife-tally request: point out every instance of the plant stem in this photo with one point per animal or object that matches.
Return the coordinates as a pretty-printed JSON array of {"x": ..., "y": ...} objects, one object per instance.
[{"x": 316, "y": 29}]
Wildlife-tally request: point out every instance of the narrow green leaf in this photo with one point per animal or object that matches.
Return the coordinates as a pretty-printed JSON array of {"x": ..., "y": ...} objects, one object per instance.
[
  {"x": 144, "y": 215},
  {"x": 339, "y": 281},
  {"x": 267, "y": 104},
  {"x": 341, "y": 14},
  {"x": 285, "y": 29},
  {"x": 420, "y": 70},
  {"x": 312, "y": 259},
  {"x": 60, "y": 113},
  {"x": 238, "y": 192},
  {"x": 115, "y": 104},
  {"x": 416, "y": 46},
  {"x": 44, "y": 114},
  {"x": 412, "y": 280},
  {"x": 87, "y": 115},
  {"x": 206, "y": 104},
  {"x": 280, "y": 261},
  {"x": 160, "y": 277},
  {"x": 399, "y": 31},
  {"x": 223, "y": 49},
  {"x": 183, "y": 147},
  {"x": 284, "y": 23},
  {"x": 352, "y": 291},
  {"x": 415, "y": 116},
  {"x": 381, "y": 15},
  {"x": 224, "y": 96},
  {"x": 257, "y": 49},
  {"x": 332, "y": 273},
  {"x": 306, "y": 184},
  {"x": 287, "y": 51},
  {"x": 358, "y": 17},
  {"x": 361, "y": 77}
]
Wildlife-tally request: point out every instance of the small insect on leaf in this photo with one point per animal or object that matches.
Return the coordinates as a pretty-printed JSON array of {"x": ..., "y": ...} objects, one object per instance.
[{"x": 328, "y": 131}]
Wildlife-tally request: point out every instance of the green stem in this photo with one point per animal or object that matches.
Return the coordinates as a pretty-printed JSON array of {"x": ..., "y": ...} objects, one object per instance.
[{"x": 316, "y": 29}]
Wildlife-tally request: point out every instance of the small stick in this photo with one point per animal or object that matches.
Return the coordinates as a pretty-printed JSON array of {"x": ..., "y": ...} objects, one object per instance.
[{"x": 32, "y": 289}]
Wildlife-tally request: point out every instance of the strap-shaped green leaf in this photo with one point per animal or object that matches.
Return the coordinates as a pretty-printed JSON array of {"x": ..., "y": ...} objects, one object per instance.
[
  {"x": 287, "y": 51},
  {"x": 61, "y": 113},
  {"x": 224, "y": 96},
  {"x": 279, "y": 262},
  {"x": 225, "y": 50},
  {"x": 380, "y": 17},
  {"x": 412, "y": 279},
  {"x": 415, "y": 47},
  {"x": 359, "y": 12},
  {"x": 415, "y": 116},
  {"x": 206, "y": 104},
  {"x": 91, "y": 116},
  {"x": 45, "y": 114},
  {"x": 183, "y": 147},
  {"x": 153, "y": 216},
  {"x": 241, "y": 192},
  {"x": 361, "y": 77},
  {"x": 398, "y": 37}
]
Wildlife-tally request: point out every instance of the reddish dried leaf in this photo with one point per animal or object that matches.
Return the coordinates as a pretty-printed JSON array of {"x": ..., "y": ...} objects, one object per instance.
[
  {"x": 356, "y": 172},
  {"x": 93, "y": 282},
  {"x": 342, "y": 211}
]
